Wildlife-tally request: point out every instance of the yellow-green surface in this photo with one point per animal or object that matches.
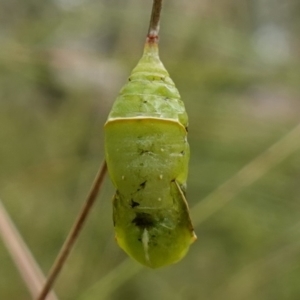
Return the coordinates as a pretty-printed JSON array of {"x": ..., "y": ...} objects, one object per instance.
[
  {"x": 62, "y": 65},
  {"x": 147, "y": 156},
  {"x": 147, "y": 160}
]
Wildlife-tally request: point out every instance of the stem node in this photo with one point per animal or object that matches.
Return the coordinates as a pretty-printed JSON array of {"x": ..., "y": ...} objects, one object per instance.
[{"x": 152, "y": 36}]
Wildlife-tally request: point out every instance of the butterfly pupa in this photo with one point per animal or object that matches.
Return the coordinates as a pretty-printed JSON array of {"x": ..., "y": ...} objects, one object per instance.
[{"x": 147, "y": 155}]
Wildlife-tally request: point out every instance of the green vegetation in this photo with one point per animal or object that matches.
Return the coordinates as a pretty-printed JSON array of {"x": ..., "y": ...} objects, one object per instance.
[{"x": 62, "y": 64}]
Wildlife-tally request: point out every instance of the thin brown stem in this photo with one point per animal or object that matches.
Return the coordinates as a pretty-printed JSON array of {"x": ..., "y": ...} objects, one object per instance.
[
  {"x": 154, "y": 20},
  {"x": 74, "y": 232},
  {"x": 21, "y": 255}
]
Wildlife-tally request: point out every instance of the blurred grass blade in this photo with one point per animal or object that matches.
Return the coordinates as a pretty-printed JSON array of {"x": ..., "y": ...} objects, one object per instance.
[
  {"x": 254, "y": 170},
  {"x": 247, "y": 281},
  {"x": 102, "y": 289},
  {"x": 222, "y": 195},
  {"x": 23, "y": 259},
  {"x": 112, "y": 281}
]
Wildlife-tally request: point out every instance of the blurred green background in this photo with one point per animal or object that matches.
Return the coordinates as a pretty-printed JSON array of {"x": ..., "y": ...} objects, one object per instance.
[{"x": 237, "y": 67}]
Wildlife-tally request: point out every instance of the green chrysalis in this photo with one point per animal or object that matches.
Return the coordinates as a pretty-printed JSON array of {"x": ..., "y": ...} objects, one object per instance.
[{"x": 147, "y": 155}]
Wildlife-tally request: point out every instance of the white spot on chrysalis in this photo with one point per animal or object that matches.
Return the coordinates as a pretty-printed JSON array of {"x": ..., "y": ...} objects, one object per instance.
[
  {"x": 160, "y": 176},
  {"x": 176, "y": 154},
  {"x": 162, "y": 149},
  {"x": 163, "y": 225},
  {"x": 145, "y": 242},
  {"x": 123, "y": 177},
  {"x": 159, "y": 199}
]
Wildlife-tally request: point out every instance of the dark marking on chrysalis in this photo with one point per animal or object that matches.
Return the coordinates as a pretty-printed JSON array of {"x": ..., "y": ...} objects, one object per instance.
[
  {"x": 143, "y": 220},
  {"x": 142, "y": 185},
  {"x": 134, "y": 204}
]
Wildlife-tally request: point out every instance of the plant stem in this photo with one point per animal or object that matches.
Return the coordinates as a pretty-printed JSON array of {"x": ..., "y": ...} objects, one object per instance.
[
  {"x": 74, "y": 232},
  {"x": 154, "y": 20},
  {"x": 21, "y": 255}
]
